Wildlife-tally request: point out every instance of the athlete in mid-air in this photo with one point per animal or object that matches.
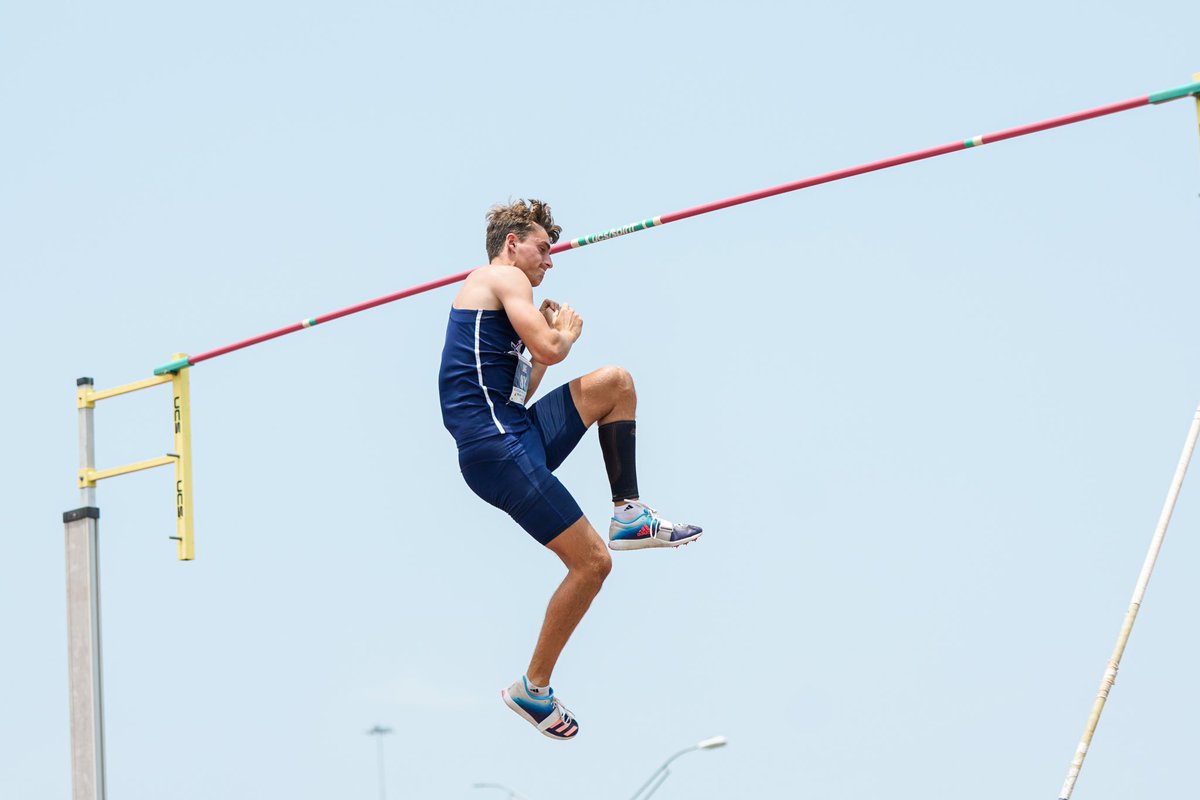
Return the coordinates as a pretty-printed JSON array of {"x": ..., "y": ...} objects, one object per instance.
[{"x": 498, "y": 346}]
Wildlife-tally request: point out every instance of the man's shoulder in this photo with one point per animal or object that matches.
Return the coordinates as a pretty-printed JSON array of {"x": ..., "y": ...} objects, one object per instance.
[
  {"x": 499, "y": 277},
  {"x": 505, "y": 283},
  {"x": 503, "y": 276},
  {"x": 487, "y": 287}
]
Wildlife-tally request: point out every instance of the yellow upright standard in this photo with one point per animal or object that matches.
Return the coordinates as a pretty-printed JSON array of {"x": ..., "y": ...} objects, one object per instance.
[
  {"x": 181, "y": 421},
  {"x": 1196, "y": 79}
]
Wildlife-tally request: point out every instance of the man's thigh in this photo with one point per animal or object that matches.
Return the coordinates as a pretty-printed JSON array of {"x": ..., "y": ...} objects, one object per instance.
[
  {"x": 510, "y": 473},
  {"x": 558, "y": 423}
]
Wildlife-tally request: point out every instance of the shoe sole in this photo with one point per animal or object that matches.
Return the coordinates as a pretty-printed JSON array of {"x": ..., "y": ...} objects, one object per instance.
[
  {"x": 649, "y": 542},
  {"x": 508, "y": 701}
]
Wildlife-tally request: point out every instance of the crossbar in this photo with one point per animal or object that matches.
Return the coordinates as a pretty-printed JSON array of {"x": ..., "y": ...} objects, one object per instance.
[{"x": 1187, "y": 90}]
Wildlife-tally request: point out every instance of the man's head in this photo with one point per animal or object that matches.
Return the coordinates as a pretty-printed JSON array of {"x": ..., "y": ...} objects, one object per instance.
[{"x": 520, "y": 234}]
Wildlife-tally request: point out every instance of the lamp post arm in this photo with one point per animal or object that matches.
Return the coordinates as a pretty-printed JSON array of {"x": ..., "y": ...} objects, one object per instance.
[
  {"x": 662, "y": 778},
  {"x": 512, "y": 793},
  {"x": 658, "y": 772}
]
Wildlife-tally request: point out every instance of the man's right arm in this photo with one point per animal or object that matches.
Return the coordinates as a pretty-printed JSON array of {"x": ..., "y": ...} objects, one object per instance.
[{"x": 547, "y": 344}]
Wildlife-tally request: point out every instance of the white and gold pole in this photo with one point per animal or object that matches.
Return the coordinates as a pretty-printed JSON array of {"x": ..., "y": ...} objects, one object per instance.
[{"x": 1139, "y": 592}]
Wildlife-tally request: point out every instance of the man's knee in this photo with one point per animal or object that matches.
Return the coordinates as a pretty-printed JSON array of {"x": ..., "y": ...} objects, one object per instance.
[
  {"x": 597, "y": 564},
  {"x": 619, "y": 381},
  {"x": 583, "y": 551},
  {"x": 602, "y": 565}
]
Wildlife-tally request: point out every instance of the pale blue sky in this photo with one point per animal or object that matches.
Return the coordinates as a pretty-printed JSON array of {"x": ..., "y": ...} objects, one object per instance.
[{"x": 927, "y": 416}]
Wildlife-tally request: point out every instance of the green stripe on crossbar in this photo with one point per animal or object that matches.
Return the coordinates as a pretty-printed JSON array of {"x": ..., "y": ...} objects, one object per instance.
[
  {"x": 1176, "y": 93},
  {"x": 174, "y": 366}
]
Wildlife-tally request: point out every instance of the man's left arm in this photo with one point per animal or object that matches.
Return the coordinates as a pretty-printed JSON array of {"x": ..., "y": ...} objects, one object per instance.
[
  {"x": 549, "y": 309},
  {"x": 535, "y": 378}
]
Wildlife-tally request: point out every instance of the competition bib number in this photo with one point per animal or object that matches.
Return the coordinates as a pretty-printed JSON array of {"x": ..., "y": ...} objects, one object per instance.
[{"x": 521, "y": 379}]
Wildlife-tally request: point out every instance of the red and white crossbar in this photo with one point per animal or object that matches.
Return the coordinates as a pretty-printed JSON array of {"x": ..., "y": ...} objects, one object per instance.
[{"x": 1188, "y": 90}]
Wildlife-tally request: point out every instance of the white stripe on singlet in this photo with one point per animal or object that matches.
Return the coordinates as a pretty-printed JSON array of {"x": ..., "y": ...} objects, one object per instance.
[{"x": 479, "y": 372}]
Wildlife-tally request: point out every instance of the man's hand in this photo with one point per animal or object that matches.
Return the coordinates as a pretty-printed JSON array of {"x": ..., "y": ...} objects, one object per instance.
[
  {"x": 567, "y": 322},
  {"x": 546, "y": 331},
  {"x": 549, "y": 310}
]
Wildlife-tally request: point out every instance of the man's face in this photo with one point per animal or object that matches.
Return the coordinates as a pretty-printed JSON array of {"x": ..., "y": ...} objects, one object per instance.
[{"x": 532, "y": 254}]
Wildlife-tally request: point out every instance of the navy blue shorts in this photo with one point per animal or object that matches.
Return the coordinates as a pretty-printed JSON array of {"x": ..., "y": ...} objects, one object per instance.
[{"x": 513, "y": 471}]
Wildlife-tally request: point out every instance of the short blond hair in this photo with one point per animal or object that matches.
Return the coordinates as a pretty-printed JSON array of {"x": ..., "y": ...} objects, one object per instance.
[{"x": 519, "y": 217}]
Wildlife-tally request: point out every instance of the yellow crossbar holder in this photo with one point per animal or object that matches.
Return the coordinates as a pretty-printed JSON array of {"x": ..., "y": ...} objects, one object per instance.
[
  {"x": 87, "y": 397},
  {"x": 1196, "y": 78}
]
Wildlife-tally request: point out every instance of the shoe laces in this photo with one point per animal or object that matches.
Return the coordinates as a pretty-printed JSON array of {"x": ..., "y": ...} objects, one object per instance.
[
  {"x": 656, "y": 521},
  {"x": 563, "y": 712}
]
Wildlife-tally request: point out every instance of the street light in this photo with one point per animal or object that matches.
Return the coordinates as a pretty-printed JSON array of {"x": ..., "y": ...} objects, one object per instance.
[
  {"x": 378, "y": 732},
  {"x": 656, "y": 779},
  {"x": 513, "y": 794}
]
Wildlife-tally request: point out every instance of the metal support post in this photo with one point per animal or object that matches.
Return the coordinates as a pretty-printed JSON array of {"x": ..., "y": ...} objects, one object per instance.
[{"x": 83, "y": 626}]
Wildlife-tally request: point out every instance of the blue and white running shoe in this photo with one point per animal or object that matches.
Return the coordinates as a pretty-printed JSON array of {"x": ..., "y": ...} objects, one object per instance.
[
  {"x": 642, "y": 527},
  {"x": 546, "y": 714}
]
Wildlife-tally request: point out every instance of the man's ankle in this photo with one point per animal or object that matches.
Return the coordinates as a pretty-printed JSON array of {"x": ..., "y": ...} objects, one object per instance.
[
  {"x": 625, "y": 512},
  {"x": 538, "y": 688}
]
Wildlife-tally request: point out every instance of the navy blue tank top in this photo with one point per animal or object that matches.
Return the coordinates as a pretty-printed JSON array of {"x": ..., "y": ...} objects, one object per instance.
[{"x": 479, "y": 363}]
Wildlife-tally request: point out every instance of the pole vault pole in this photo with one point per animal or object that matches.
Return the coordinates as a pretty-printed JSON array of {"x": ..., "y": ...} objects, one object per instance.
[
  {"x": 1139, "y": 592},
  {"x": 1191, "y": 89}
]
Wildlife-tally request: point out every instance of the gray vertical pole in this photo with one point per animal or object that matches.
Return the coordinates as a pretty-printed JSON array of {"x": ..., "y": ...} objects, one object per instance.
[
  {"x": 382, "y": 788},
  {"x": 83, "y": 627},
  {"x": 378, "y": 732}
]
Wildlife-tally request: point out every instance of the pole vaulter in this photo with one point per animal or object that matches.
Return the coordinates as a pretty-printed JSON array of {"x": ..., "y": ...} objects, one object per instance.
[
  {"x": 81, "y": 524},
  {"x": 1188, "y": 90}
]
